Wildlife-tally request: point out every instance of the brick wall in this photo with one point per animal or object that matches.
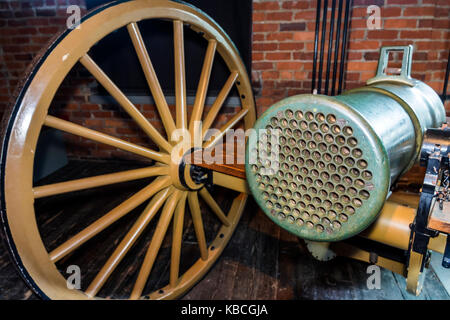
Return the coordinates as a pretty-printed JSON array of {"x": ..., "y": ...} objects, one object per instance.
[
  {"x": 283, "y": 43},
  {"x": 283, "y": 39},
  {"x": 25, "y": 28}
]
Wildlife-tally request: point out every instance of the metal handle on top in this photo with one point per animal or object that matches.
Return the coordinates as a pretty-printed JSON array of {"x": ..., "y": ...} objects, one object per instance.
[{"x": 405, "y": 74}]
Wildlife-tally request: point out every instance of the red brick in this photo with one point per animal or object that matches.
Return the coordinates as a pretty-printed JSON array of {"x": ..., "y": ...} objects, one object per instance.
[
  {"x": 102, "y": 114},
  {"x": 45, "y": 12},
  {"x": 258, "y": 37},
  {"x": 17, "y": 22},
  {"x": 358, "y": 24},
  {"x": 90, "y": 106},
  {"x": 305, "y": 15},
  {"x": 257, "y": 56},
  {"x": 368, "y": 56},
  {"x": 296, "y": 26},
  {"x": 296, "y": 4},
  {"x": 360, "y": 12},
  {"x": 352, "y": 76},
  {"x": 24, "y": 13},
  {"x": 265, "y": 27},
  {"x": 286, "y": 75},
  {"x": 278, "y": 56},
  {"x": 441, "y": 24},
  {"x": 281, "y": 36},
  {"x": 270, "y": 75},
  {"x": 289, "y": 65},
  {"x": 387, "y": 12},
  {"x": 93, "y": 123},
  {"x": 127, "y": 131},
  {"x": 40, "y": 39},
  {"x": 279, "y": 16},
  {"x": 403, "y": 2},
  {"x": 358, "y": 34},
  {"x": 352, "y": 55},
  {"x": 265, "y": 46},
  {"x": 382, "y": 34},
  {"x": 300, "y": 75},
  {"x": 419, "y": 12},
  {"x": 400, "y": 23},
  {"x": 49, "y": 30},
  {"x": 363, "y": 45},
  {"x": 361, "y": 66},
  {"x": 116, "y": 123},
  {"x": 304, "y": 36},
  {"x": 416, "y": 34},
  {"x": 368, "y": 2},
  {"x": 272, "y": 5},
  {"x": 262, "y": 65},
  {"x": 20, "y": 40},
  {"x": 27, "y": 31},
  {"x": 259, "y": 16},
  {"x": 291, "y": 46}
]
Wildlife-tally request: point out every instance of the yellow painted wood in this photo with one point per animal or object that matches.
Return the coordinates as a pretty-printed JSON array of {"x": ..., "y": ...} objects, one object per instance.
[
  {"x": 214, "y": 206},
  {"x": 438, "y": 244},
  {"x": 127, "y": 242},
  {"x": 414, "y": 279},
  {"x": 90, "y": 134},
  {"x": 177, "y": 238},
  {"x": 98, "y": 181},
  {"x": 32, "y": 111},
  {"x": 198, "y": 270},
  {"x": 218, "y": 103},
  {"x": 345, "y": 250},
  {"x": 223, "y": 130},
  {"x": 155, "y": 244},
  {"x": 180, "y": 78},
  {"x": 202, "y": 88},
  {"x": 126, "y": 104},
  {"x": 392, "y": 226},
  {"x": 152, "y": 79},
  {"x": 230, "y": 182},
  {"x": 197, "y": 220},
  {"x": 109, "y": 218}
]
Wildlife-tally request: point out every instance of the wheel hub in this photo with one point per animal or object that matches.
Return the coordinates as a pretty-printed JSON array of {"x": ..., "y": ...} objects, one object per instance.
[{"x": 187, "y": 176}]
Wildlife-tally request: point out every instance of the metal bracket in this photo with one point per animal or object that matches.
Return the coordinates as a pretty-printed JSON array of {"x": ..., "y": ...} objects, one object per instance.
[{"x": 405, "y": 74}]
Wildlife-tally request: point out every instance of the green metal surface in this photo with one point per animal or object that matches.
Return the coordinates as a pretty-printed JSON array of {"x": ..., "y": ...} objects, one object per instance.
[{"x": 321, "y": 167}]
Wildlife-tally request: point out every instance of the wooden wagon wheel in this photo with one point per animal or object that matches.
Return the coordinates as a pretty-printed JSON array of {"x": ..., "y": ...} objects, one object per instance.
[{"x": 174, "y": 190}]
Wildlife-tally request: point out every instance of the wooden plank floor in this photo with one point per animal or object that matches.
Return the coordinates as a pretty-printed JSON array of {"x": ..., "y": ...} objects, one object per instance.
[{"x": 261, "y": 261}]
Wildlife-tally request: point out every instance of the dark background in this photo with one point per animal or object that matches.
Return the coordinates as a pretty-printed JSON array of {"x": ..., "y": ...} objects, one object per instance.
[{"x": 116, "y": 55}]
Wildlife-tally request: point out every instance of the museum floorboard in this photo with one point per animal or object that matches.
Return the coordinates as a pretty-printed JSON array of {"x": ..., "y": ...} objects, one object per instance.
[{"x": 261, "y": 260}]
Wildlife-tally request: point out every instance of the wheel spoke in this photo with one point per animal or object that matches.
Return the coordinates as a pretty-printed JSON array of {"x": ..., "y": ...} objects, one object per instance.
[
  {"x": 109, "y": 218},
  {"x": 180, "y": 77},
  {"x": 214, "y": 206},
  {"x": 126, "y": 104},
  {"x": 217, "y": 105},
  {"x": 152, "y": 79},
  {"x": 230, "y": 182},
  {"x": 196, "y": 213},
  {"x": 222, "y": 131},
  {"x": 202, "y": 89},
  {"x": 178, "y": 220},
  {"x": 90, "y": 134},
  {"x": 155, "y": 244},
  {"x": 98, "y": 181},
  {"x": 128, "y": 241}
]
